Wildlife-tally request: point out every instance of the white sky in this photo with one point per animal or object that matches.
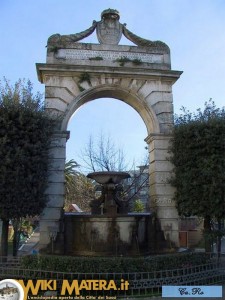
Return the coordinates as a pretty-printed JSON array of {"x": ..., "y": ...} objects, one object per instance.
[{"x": 193, "y": 29}]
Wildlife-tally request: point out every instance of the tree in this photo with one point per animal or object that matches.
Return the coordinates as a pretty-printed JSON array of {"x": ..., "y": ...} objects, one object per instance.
[
  {"x": 79, "y": 189},
  {"x": 102, "y": 155},
  {"x": 138, "y": 206},
  {"x": 25, "y": 133},
  {"x": 198, "y": 156},
  {"x": 70, "y": 171},
  {"x": 81, "y": 192}
]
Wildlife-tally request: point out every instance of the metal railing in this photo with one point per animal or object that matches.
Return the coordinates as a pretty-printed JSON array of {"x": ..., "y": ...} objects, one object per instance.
[{"x": 143, "y": 283}]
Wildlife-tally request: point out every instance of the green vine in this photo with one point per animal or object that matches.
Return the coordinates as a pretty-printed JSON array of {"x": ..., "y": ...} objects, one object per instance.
[
  {"x": 122, "y": 60},
  {"x": 85, "y": 77},
  {"x": 82, "y": 78},
  {"x": 96, "y": 58},
  {"x": 138, "y": 206},
  {"x": 136, "y": 61},
  {"x": 81, "y": 89}
]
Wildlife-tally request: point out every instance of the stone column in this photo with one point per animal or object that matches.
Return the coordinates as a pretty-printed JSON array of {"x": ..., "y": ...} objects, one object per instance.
[
  {"x": 50, "y": 218},
  {"x": 161, "y": 192}
]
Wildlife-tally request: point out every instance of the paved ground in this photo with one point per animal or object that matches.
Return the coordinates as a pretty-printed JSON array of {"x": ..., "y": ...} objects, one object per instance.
[{"x": 31, "y": 244}]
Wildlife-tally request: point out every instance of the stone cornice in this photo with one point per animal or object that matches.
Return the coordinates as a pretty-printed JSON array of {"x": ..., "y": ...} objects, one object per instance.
[{"x": 112, "y": 71}]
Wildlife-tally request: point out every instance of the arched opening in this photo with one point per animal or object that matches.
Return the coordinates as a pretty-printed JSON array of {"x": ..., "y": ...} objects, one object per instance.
[
  {"x": 107, "y": 113},
  {"x": 139, "y": 162},
  {"x": 114, "y": 124},
  {"x": 112, "y": 119},
  {"x": 114, "y": 91}
]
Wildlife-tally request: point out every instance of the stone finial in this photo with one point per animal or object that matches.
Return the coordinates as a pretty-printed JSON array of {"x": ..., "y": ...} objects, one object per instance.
[
  {"x": 110, "y": 13},
  {"x": 109, "y": 29}
]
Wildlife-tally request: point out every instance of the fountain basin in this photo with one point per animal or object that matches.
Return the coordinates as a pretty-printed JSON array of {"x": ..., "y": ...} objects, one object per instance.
[
  {"x": 105, "y": 177},
  {"x": 122, "y": 235}
]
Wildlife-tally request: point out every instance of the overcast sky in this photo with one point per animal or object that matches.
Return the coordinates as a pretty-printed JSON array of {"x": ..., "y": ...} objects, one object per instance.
[{"x": 193, "y": 29}]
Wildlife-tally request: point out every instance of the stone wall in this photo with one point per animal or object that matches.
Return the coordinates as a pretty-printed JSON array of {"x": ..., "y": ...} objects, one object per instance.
[{"x": 122, "y": 235}]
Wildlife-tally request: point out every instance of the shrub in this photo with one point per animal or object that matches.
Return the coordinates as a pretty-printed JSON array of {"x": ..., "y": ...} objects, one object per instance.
[
  {"x": 113, "y": 264},
  {"x": 138, "y": 206}
]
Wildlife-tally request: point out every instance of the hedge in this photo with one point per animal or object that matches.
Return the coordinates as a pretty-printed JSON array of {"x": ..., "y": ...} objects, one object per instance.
[{"x": 113, "y": 264}]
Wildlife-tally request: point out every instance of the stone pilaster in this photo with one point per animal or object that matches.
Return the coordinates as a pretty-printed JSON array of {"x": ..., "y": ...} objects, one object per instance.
[
  {"x": 161, "y": 192},
  {"x": 51, "y": 215}
]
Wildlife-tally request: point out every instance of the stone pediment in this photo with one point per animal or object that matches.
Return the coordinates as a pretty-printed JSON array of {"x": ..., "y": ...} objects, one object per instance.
[{"x": 109, "y": 32}]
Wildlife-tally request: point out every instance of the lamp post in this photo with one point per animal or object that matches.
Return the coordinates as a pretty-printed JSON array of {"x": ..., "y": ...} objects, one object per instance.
[{"x": 52, "y": 231}]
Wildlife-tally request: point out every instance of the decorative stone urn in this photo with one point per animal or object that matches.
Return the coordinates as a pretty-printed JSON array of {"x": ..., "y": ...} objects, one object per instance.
[{"x": 111, "y": 201}]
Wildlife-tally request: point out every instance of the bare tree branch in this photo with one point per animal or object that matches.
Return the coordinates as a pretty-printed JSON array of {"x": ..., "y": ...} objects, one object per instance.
[{"x": 103, "y": 155}]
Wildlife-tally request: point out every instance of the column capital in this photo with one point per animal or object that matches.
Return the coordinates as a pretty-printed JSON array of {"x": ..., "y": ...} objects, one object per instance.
[
  {"x": 61, "y": 134},
  {"x": 157, "y": 136}
]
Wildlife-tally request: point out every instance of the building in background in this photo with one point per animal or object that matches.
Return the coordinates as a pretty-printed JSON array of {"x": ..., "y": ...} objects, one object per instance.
[{"x": 137, "y": 186}]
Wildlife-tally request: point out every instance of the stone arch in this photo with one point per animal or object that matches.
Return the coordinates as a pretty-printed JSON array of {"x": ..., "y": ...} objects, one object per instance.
[
  {"x": 112, "y": 91},
  {"x": 140, "y": 76}
]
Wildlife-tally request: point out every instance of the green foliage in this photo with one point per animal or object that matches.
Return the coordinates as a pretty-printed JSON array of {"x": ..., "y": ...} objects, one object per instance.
[
  {"x": 25, "y": 132},
  {"x": 96, "y": 58},
  {"x": 81, "y": 89},
  {"x": 113, "y": 264},
  {"x": 138, "y": 206},
  {"x": 198, "y": 154},
  {"x": 137, "y": 61},
  {"x": 80, "y": 192},
  {"x": 82, "y": 78},
  {"x": 79, "y": 189},
  {"x": 85, "y": 77},
  {"x": 122, "y": 60},
  {"x": 70, "y": 170}
]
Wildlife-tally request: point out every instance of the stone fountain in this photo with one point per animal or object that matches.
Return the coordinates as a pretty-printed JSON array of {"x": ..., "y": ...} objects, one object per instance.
[
  {"x": 110, "y": 229},
  {"x": 112, "y": 201}
]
